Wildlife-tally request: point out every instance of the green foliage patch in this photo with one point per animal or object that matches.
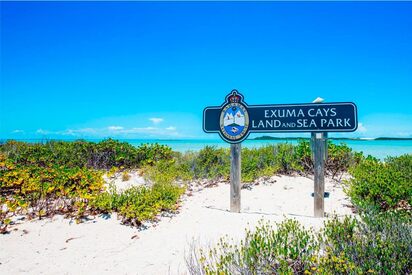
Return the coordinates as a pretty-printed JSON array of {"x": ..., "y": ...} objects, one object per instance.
[
  {"x": 377, "y": 244},
  {"x": 101, "y": 155},
  {"x": 44, "y": 191},
  {"x": 138, "y": 204},
  {"x": 56, "y": 177},
  {"x": 383, "y": 185}
]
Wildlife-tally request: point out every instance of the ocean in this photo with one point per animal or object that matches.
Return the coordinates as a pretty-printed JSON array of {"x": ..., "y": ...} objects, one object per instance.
[{"x": 377, "y": 148}]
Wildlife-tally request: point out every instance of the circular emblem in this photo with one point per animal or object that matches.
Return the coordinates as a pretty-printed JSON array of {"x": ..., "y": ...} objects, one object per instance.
[{"x": 234, "y": 122}]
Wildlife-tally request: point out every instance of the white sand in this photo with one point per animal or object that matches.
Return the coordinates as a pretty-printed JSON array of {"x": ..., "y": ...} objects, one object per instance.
[
  {"x": 135, "y": 179},
  {"x": 105, "y": 246}
]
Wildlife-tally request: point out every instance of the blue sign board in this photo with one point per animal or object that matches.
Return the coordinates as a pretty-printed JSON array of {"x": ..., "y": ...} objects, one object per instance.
[{"x": 234, "y": 119}]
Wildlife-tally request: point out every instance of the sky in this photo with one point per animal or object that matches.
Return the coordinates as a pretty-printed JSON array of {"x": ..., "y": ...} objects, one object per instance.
[{"x": 148, "y": 69}]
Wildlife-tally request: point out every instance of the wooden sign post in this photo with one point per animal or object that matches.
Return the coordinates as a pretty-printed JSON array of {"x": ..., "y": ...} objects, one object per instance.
[
  {"x": 235, "y": 177},
  {"x": 319, "y": 147},
  {"x": 234, "y": 120}
]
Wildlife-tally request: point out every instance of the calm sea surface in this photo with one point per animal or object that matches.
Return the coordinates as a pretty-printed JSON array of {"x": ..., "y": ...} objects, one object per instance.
[{"x": 377, "y": 148}]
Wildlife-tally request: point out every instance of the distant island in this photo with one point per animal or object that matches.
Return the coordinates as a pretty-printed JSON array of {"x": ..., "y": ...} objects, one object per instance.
[{"x": 333, "y": 138}]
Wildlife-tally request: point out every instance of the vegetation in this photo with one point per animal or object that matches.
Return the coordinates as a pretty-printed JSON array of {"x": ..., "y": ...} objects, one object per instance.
[
  {"x": 384, "y": 185},
  {"x": 266, "y": 250},
  {"x": 101, "y": 155},
  {"x": 378, "y": 241},
  {"x": 43, "y": 179},
  {"x": 284, "y": 158},
  {"x": 139, "y": 203},
  {"x": 378, "y": 244}
]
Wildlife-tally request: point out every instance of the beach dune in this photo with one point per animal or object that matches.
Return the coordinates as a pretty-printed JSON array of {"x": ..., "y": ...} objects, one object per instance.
[{"x": 103, "y": 245}]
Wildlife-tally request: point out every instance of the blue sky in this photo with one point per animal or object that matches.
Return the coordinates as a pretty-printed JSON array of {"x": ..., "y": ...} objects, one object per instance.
[{"x": 147, "y": 70}]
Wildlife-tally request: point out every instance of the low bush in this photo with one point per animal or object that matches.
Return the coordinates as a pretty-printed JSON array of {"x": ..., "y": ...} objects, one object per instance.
[
  {"x": 285, "y": 248},
  {"x": 269, "y": 160},
  {"x": 380, "y": 243},
  {"x": 166, "y": 172},
  {"x": 211, "y": 162},
  {"x": 340, "y": 158},
  {"x": 152, "y": 153},
  {"x": 383, "y": 185},
  {"x": 56, "y": 177},
  {"x": 44, "y": 191},
  {"x": 138, "y": 204},
  {"x": 377, "y": 244},
  {"x": 101, "y": 155}
]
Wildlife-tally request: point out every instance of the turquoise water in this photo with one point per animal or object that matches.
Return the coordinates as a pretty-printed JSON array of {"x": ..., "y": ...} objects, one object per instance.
[{"x": 377, "y": 148}]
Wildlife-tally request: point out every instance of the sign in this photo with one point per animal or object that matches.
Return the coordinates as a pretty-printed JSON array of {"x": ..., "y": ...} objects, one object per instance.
[{"x": 234, "y": 119}]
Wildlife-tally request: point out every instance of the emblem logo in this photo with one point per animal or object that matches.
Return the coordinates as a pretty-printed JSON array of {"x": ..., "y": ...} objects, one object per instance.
[{"x": 234, "y": 119}]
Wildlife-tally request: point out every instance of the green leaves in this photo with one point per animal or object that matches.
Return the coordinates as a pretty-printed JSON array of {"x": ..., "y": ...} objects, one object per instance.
[
  {"x": 379, "y": 244},
  {"x": 283, "y": 248},
  {"x": 383, "y": 185},
  {"x": 140, "y": 203},
  {"x": 101, "y": 155}
]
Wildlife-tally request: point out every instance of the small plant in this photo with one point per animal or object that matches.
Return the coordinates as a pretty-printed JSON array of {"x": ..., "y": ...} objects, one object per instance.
[{"x": 125, "y": 176}]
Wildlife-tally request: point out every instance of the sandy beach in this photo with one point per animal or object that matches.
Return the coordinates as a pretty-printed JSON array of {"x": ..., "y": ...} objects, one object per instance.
[{"x": 103, "y": 245}]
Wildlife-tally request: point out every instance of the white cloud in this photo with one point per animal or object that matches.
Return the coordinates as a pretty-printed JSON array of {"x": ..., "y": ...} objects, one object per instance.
[
  {"x": 75, "y": 132},
  {"x": 115, "y": 131},
  {"x": 361, "y": 128},
  {"x": 115, "y": 128},
  {"x": 41, "y": 132},
  {"x": 156, "y": 120},
  {"x": 404, "y": 134},
  {"x": 17, "y": 131},
  {"x": 140, "y": 130}
]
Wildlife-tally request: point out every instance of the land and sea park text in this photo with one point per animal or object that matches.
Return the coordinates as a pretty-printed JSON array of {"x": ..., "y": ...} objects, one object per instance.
[{"x": 301, "y": 118}]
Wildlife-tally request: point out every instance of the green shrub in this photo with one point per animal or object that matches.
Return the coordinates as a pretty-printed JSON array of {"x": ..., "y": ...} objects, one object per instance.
[
  {"x": 258, "y": 162},
  {"x": 47, "y": 190},
  {"x": 269, "y": 160},
  {"x": 211, "y": 162},
  {"x": 138, "y": 204},
  {"x": 285, "y": 248},
  {"x": 166, "y": 172},
  {"x": 152, "y": 153},
  {"x": 304, "y": 154},
  {"x": 383, "y": 185},
  {"x": 380, "y": 243},
  {"x": 340, "y": 158},
  {"x": 101, "y": 155}
]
